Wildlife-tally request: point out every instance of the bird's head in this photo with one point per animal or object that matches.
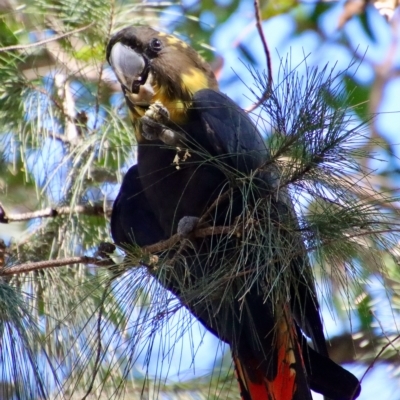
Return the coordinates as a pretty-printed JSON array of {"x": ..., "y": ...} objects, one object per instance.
[{"x": 153, "y": 66}]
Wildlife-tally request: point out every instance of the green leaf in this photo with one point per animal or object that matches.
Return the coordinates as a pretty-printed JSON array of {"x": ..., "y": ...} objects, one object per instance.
[
  {"x": 306, "y": 21},
  {"x": 363, "y": 307},
  {"x": 320, "y": 8},
  {"x": 358, "y": 97},
  {"x": 7, "y": 37},
  {"x": 270, "y": 9}
]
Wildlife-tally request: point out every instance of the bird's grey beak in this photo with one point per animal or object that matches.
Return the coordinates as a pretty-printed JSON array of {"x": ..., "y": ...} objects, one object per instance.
[{"x": 130, "y": 67}]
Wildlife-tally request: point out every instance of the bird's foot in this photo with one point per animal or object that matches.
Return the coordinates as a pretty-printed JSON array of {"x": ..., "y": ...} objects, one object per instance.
[
  {"x": 187, "y": 226},
  {"x": 105, "y": 249},
  {"x": 158, "y": 113},
  {"x": 154, "y": 125}
]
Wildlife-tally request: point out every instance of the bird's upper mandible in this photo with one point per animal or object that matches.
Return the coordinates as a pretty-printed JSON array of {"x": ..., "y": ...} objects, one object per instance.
[{"x": 152, "y": 66}]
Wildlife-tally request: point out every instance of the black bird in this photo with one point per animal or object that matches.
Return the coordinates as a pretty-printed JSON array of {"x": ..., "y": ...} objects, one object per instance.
[{"x": 202, "y": 163}]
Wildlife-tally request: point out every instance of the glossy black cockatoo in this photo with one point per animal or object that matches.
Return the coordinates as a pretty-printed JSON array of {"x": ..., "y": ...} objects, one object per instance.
[{"x": 202, "y": 166}]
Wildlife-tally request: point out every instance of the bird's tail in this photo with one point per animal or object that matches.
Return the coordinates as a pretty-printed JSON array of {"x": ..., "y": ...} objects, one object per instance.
[
  {"x": 287, "y": 381},
  {"x": 297, "y": 369}
]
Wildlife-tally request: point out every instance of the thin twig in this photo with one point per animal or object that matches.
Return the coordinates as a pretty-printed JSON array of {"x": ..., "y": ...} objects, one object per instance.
[
  {"x": 95, "y": 209},
  {"x": 267, "y": 53},
  {"x": 45, "y": 41}
]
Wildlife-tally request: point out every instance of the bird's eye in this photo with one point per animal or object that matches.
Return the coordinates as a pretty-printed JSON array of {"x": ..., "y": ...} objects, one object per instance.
[{"x": 155, "y": 45}]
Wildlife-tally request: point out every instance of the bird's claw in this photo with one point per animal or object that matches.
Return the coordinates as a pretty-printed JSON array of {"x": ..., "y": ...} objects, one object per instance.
[
  {"x": 187, "y": 225},
  {"x": 158, "y": 113},
  {"x": 154, "y": 125}
]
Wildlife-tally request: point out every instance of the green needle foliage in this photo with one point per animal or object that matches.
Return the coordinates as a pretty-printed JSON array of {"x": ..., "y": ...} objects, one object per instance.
[
  {"x": 319, "y": 144},
  {"x": 21, "y": 340}
]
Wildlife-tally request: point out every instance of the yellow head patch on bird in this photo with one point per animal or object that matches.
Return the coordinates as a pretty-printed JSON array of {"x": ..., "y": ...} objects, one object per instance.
[{"x": 153, "y": 66}]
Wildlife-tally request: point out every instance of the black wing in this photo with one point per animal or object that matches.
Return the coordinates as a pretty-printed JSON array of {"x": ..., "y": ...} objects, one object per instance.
[
  {"x": 223, "y": 129},
  {"x": 132, "y": 220}
]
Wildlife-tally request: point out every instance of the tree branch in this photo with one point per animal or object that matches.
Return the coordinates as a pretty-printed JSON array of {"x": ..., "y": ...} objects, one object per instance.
[
  {"x": 3, "y": 248},
  {"x": 361, "y": 347},
  {"x": 199, "y": 233},
  {"x": 95, "y": 209},
  {"x": 107, "y": 262},
  {"x": 35, "y": 266}
]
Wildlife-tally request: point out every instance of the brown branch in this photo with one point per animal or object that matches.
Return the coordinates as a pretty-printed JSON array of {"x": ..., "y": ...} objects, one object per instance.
[
  {"x": 3, "y": 248},
  {"x": 45, "y": 41},
  {"x": 360, "y": 347},
  {"x": 350, "y": 9},
  {"x": 200, "y": 233},
  {"x": 101, "y": 262},
  {"x": 267, "y": 53},
  {"x": 35, "y": 266},
  {"x": 94, "y": 210},
  {"x": 59, "y": 137}
]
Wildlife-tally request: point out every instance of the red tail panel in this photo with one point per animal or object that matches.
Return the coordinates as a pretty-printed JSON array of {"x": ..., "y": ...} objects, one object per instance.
[{"x": 253, "y": 383}]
